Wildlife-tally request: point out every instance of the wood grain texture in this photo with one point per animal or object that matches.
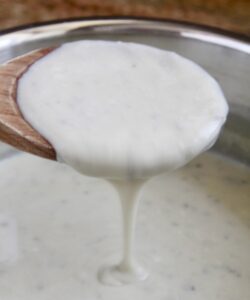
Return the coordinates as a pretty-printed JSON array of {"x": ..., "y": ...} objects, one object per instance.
[
  {"x": 14, "y": 130},
  {"x": 233, "y": 15}
]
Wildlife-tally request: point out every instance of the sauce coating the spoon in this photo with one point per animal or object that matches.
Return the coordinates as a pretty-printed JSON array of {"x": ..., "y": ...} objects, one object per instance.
[{"x": 124, "y": 112}]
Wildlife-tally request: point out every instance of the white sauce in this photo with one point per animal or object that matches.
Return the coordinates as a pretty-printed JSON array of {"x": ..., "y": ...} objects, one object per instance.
[
  {"x": 124, "y": 112},
  {"x": 128, "y": 270},
  {"x": 192, "y": 234}
]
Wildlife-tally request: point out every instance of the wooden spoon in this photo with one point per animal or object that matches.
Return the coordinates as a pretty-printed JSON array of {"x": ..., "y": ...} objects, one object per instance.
[{"x": 14, "y": 129}]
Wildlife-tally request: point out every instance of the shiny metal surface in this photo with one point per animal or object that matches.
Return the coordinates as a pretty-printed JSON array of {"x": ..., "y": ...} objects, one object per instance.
[{"x": 224, "y": 57}]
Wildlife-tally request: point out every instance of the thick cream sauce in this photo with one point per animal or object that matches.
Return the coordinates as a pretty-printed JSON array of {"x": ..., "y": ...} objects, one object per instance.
[
  {"x": 124, "y": 112},
  {"x": 58, "y": 227}
]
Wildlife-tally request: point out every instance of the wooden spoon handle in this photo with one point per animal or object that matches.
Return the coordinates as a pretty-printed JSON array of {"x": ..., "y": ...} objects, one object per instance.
[{"x": 14, "y": 129}]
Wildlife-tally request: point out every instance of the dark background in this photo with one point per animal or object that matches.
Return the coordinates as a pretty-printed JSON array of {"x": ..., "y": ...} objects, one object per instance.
[{"x": 233, "y": 15}]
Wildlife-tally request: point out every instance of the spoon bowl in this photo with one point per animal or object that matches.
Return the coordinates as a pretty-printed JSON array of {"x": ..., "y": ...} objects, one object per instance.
[
  {"x": 14, "y": 129},
  {"x": 223, "y": 54}
]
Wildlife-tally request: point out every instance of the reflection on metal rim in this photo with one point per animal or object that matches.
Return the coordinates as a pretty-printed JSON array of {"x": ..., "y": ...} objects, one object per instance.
[{"x": 186, "y": 30}]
